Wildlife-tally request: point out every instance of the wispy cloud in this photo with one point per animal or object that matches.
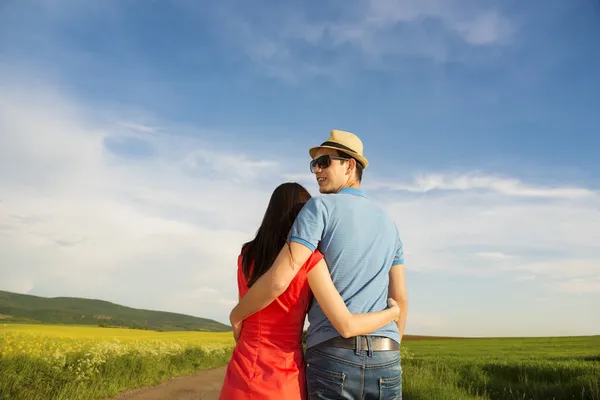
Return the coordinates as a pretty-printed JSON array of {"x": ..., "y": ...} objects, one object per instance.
[
  {"x": 362, "y": 34},
  {"x": 139, "y": 127},
  {"x": 228, "y": 164},
  {"x": 570, "y": 268},
  {"x": 487, "y": 28},
  {"x": 493, "y": 255},
  {"x": 489, "y": 234},
  {"x": 115, "y": 183},
  {"x": 77, "y": 218},
  {"x": 497, "y": 184},
  {"x": 579, "y": 287},
  {"x": 525, "y": 278},
  {"x": 475, "y": 25}
]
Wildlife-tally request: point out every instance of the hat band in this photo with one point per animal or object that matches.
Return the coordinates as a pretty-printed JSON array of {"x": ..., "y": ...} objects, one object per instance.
[{"x": 339, "y": 146}]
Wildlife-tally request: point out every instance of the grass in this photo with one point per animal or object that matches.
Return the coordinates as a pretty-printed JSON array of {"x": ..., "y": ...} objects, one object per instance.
[
  {"x": 82, "y": 362},
  {"x": 527, "y": 368}
]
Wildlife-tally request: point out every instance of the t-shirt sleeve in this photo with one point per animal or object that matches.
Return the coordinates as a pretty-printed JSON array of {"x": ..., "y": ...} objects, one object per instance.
[
  {"x": 309, "y": 226},
  {"x": 313, "y": 260},
  {"x": 399, "y": 256}
]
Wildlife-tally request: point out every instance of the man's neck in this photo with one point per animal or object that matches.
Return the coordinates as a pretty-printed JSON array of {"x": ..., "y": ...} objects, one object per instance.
[{"x": 355, "y": 185}]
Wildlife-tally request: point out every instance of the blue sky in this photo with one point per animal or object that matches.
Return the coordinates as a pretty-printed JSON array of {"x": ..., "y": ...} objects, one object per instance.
[{"x": 140, "y": 142}]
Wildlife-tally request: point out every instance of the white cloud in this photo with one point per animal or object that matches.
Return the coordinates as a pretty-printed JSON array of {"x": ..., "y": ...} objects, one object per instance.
[
  {"x": 362, "y": 33},
  {"x": 164, "y": 231},
  {"x": 572, "y": 267},
  {"x": 232, "y": 165},
  {"x": 489, "y": 234},
  {"x": 476, "y": 26},
  {"x": 139, "y": 127},
  {"x": 476, "y": 181},
  {"x": 304, "y": 179},
  {"x": 76, "y": 219},
  {"x": 525, "y": 278},
  {"x": 579, "y": 286},
  {"x": 491, "y": 255},
  {"x": 484, "y": 29}
]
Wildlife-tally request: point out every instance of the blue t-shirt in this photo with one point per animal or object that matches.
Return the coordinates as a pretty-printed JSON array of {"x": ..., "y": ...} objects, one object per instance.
[{"x": 360, "y": 243}]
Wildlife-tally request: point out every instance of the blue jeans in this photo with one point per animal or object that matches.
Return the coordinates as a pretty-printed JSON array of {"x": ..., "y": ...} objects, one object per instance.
[{"x": 336, "y": 373}]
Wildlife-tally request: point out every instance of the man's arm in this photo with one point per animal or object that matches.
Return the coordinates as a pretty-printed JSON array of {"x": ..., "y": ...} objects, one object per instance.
[
  {"x": 397, "y": 285},
  {"x": 272, "y": 283},
  {"x": 397, "y": 291}
]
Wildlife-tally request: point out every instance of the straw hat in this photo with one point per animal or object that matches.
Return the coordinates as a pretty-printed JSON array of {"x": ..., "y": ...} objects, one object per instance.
[{"x": 347, "y": 142}]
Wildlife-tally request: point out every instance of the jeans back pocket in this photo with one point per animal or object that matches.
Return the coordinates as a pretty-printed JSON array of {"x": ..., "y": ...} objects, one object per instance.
[
  {"x": 322, "y": 382},
  {"x": 390, "y": 388}
]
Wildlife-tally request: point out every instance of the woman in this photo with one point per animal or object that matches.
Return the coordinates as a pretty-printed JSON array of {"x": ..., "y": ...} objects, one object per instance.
[{"x": 267, "y": 362}]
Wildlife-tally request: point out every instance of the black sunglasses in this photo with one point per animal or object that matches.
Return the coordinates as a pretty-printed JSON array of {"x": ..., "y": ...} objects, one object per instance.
[{"x": 324, "y": 162}]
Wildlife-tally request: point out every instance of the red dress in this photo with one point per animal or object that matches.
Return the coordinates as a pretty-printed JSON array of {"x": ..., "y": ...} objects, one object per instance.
[{"x": 268, "y": 361}]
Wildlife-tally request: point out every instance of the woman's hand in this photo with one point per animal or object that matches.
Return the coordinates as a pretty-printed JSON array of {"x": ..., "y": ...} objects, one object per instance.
[
  {"x": 237, "y": 328},
  {"x": 393, "y": 305}
]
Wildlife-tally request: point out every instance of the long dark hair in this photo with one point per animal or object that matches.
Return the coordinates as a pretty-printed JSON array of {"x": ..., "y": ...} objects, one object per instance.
[{"x": 286, "y": 202}]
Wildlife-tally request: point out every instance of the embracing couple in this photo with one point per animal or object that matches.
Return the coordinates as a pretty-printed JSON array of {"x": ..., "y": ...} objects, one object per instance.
[{"x": 337, "y": 257}]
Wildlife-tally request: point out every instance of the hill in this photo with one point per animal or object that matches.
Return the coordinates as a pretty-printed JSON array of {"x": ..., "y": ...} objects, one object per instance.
[{"x": 24, "y": 308}]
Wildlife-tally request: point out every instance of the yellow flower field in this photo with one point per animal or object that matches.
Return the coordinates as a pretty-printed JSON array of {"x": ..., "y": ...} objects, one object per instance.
[{"x": 87, "y": 354}]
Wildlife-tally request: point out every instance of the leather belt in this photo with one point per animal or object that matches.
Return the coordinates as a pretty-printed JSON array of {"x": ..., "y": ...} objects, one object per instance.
[{"x": 377, "y": 343}]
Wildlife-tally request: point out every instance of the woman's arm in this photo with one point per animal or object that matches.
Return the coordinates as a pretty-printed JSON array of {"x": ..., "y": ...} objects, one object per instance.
[
  {"x": 272, "y": 283},
  {"x": 346, "y": 323}
]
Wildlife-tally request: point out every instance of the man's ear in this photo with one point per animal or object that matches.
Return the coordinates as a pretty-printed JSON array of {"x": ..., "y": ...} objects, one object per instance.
[{"x": 351, "y": 165}]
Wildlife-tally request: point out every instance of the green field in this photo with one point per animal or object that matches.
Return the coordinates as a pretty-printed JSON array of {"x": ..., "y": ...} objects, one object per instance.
[
  {"x": 536, "y": 368},
  {"x": 82, "y": 362}
]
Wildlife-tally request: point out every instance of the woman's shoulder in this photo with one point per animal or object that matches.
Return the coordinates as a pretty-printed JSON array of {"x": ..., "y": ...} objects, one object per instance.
[
  {"x": 241, "y": 276},
  {"x": 242, "y": 253}
]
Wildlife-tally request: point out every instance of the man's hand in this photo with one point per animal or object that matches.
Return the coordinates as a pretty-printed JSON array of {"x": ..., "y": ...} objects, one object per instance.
[{"x": 393, "y": 305}]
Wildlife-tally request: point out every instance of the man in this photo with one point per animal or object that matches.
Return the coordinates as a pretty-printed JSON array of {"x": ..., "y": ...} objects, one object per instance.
[{"x": 366, "y": 261}]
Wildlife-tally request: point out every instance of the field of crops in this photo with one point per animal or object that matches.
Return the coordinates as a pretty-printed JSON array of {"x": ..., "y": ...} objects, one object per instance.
[
  {"x": 71, "y": 362},
  {"x": 537, "y": 368}
]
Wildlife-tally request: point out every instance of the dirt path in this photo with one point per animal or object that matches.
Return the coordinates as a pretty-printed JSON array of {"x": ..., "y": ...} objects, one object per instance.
[{"x": 203, "y": 385}]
